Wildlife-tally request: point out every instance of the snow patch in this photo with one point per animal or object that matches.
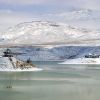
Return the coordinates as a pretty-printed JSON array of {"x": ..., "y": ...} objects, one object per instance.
[{"x": 82, "y": 61}]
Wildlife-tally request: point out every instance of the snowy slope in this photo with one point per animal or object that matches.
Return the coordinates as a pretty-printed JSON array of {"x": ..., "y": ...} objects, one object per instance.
[
  {"x": 5, "y": 65},
  {"x": 56, "y": 53},
  {"x": 49, "y": 33},
  {"x": 85, "y": 18},
  {"x": 82, "y": 61}
]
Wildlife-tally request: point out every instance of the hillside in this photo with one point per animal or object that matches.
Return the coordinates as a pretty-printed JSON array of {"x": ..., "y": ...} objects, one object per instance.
[{"x": 38, "y": 32}]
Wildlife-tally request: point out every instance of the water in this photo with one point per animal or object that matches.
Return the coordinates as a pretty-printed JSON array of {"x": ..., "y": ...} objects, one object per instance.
[{"x": 55, "y": 82}]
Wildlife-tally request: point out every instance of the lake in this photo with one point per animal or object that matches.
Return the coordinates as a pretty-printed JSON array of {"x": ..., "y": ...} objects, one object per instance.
[{"x": 55, "y": 82}]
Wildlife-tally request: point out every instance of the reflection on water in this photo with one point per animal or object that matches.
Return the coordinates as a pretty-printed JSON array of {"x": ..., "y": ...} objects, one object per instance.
[{"x": 55, "y": 82}]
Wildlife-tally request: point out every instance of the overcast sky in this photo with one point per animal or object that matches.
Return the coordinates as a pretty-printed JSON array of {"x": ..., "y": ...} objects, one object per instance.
[{"x": 15, "y": 11}]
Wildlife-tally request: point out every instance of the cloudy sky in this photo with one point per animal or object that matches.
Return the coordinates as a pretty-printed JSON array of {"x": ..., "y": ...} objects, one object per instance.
[{"x": 13, "y": 12}]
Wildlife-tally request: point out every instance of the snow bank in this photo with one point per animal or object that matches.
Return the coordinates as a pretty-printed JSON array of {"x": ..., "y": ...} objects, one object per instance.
[
  {"x": 5, "y": 65},
  {"x": 20, "y": 70},
  {"x": 82, "y": 61}
]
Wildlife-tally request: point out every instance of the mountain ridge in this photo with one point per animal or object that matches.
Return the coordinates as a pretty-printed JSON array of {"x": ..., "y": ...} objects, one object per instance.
[{"x": 43, "y": 32}]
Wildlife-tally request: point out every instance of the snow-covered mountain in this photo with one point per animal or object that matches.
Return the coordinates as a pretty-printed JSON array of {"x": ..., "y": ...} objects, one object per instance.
[
  {"x": 59, "y": 40},
  {"x": 79, "y": 27},
  {"x": 56, "y": 53},
  {"x": 38, "y": 32},
  {"x": 85, "y": 18},
  {"x": 82, "y": 14}
]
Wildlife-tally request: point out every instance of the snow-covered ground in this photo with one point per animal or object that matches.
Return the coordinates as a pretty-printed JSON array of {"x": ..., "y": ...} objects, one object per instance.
[
  {"x": 5, "y": 65},
  {"x": 82, "y": 61},
  {"x": 19, "y": 70}
]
